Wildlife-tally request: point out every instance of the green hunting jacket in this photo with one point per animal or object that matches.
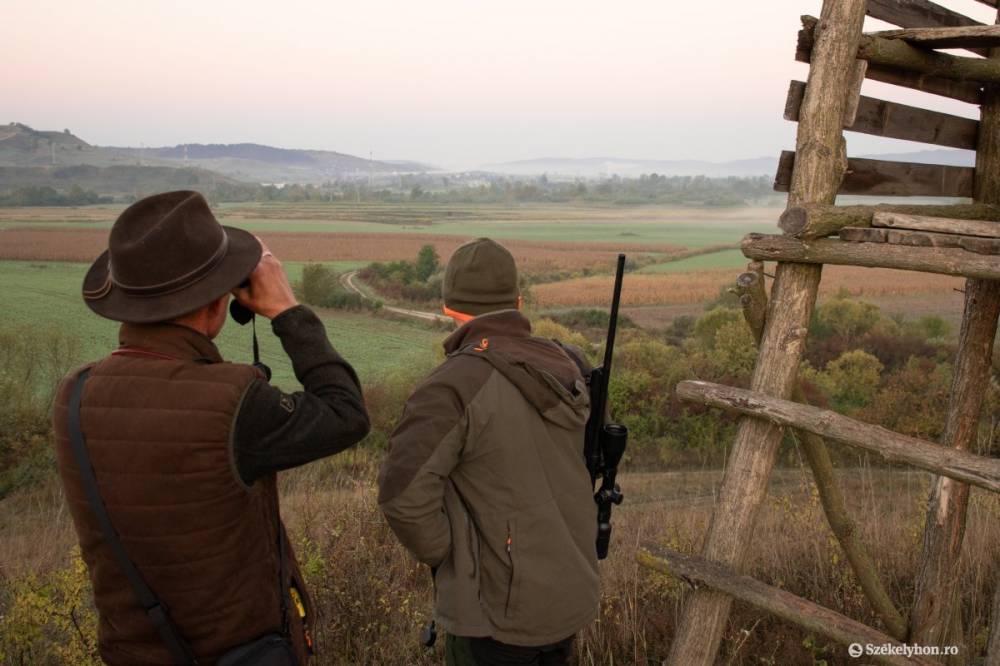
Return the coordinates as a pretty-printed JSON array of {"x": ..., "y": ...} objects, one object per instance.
[{"x": 485, "y": 482}]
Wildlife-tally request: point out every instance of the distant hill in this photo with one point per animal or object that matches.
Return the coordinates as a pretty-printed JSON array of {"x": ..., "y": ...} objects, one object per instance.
[
  {"x": 590, "y": 167},
  {"x": 23, "y": 146},
  {"x": 257, "y": 163},
  {"x": 121, "y": 180},
  {"x": 762, "y": 166}
]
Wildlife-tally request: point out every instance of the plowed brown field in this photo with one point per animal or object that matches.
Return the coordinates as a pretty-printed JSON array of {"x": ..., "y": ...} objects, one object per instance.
[{"x": 61, "y": 244}]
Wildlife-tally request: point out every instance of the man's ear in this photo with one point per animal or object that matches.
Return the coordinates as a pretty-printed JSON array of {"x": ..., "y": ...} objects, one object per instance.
[{"x": 221, "y": 303}]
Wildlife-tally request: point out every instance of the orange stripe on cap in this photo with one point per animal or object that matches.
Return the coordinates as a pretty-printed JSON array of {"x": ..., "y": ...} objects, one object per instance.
[{"x": 460, "y": 317}]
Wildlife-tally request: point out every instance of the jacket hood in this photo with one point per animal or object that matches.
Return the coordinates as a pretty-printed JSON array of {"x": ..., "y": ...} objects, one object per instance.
[{"x": 540, "y": 369}]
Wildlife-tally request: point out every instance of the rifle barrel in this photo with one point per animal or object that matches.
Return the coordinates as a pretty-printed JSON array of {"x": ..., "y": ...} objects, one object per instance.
[{"x": 609, "y": 346}]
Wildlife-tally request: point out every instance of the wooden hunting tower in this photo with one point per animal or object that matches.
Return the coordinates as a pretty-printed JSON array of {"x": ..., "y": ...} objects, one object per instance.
[{"x": 961, "y": 239}]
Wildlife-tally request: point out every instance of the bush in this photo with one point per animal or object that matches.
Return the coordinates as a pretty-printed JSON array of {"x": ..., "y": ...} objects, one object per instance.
[
  {"x": 49, "y": 619},
  {"x": 708, "y": 325},
  {"x": 321, "y": 287},
  {"x": 852, "y": 379},
  {"x": 913, "y": 400},
  {"x": 844, "y": 318},
  {"x": 546, "y": 328},
  {"x": 31, "y": 364},
  {"x": 416, "y": 281},
  {"x": 590, "y": 318}
]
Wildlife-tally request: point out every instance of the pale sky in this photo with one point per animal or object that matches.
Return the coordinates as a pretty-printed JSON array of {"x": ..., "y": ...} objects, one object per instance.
[{"x": 449, "y": 82}]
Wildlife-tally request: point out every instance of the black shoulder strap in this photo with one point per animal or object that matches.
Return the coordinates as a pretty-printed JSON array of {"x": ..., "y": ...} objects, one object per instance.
[
  {"x": 283, "y": 581},
  {"x": 158, "y": 614}
]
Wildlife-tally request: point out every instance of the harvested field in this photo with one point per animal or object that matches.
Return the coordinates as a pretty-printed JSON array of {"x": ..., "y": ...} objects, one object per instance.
[
  {"x": 683, "y": 288},
  {"x": 644, "y": 226},
  {"x": 61, "y": 244}
]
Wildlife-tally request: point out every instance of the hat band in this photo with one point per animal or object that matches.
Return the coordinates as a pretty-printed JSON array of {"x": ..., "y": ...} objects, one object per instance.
[{"x": 174, "y": 284}]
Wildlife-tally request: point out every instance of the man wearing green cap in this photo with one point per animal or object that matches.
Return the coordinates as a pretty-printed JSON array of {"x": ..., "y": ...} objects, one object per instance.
[{"x": 485, "y": 479}]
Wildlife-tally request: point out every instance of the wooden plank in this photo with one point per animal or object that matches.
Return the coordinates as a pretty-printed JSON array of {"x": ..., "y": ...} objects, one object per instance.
[
  {"x": 933, "y": 239},
  {"x": 885, "y": 178},
  {"x": 899, "y": 121},
  {"x": 813, "y": 617},
  {"x": 817, "y": 173},
  {"x": 920, "y": 14},
  {"x": 958, "y": 90},
  {"x": 921, "y": 238},
  {"x": 979, "y": 245},
  {"x": 981, "y": 471},
  {"x": 987, "y": 229},
  {"x": 916, "y": 14},
  {"x": 964, "y": 37},
  {"x": 886, "y": 73},
  {"x": 854, "y": 91},
  {"x": 863, "y": 235},
  {"x": 783, "y": 177},
  {"x": 900, "y": 54},
  {"x": 818, "y": 220},
  {"x": 946, "y": 261}
]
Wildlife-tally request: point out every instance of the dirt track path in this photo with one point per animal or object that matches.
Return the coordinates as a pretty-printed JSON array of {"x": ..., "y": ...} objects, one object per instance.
[{"x": 347, "y": 280}]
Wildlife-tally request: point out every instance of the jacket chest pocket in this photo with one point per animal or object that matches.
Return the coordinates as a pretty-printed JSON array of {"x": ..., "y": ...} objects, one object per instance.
[{"x": 511, "y": 546}]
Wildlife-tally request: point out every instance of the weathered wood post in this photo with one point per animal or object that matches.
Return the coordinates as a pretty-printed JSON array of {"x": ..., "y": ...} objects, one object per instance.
[
  {"x": 753, "y": 299},
  {"x": 819, "y": 168},
  {"x": 936, "y": 603}
]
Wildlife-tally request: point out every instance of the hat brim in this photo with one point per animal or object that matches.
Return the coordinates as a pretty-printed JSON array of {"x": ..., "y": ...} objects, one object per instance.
[{"x": 242, "y": 256}]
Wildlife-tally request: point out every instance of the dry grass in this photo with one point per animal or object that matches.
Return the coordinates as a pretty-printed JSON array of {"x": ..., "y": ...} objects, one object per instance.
[
  {"x": 372, "y": 598},
  {"x": 60, "y": 244},
  {"x": 701, "y": 286}
]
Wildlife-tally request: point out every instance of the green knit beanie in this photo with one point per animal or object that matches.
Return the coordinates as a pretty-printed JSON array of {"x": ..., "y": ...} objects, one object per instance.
[{"x": 481, "y": 277}]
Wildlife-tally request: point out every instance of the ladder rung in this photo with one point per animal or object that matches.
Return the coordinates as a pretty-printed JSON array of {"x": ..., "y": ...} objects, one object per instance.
[
  {"x": 943, "y": 260},
  {"x": 955, "y": 463}
]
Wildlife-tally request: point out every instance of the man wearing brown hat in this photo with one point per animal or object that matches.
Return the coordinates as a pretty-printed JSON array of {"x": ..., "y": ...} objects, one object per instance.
[
  {"x": 485, "y": 478},
  {"x": 168, "y": 454}
]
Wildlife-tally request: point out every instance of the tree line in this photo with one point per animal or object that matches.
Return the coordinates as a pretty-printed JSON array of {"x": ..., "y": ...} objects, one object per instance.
[{"x": 456, "y": 188}]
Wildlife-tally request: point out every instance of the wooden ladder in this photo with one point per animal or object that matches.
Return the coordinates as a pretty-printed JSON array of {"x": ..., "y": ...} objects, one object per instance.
[{"x": 961, "y": 239}]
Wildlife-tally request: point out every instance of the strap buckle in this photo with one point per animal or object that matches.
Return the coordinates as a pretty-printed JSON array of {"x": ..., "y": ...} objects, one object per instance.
[{"x": 158, "y": 614}]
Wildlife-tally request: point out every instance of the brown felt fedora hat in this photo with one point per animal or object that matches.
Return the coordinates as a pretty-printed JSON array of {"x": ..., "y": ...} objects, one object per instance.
[{"x": 167, "y": 255}]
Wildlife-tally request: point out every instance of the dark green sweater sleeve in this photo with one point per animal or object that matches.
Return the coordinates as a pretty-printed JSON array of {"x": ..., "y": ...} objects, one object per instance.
[{"x": 276, "y": 430}]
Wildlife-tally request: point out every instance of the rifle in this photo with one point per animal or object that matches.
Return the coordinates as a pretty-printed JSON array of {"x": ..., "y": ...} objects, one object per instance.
[{"x": 605, "y": 442}]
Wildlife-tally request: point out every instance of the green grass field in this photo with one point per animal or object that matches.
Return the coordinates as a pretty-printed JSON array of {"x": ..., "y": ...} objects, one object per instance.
[
  {"x": 653, "y": 225},
  {"x": 40, "y": 296}
]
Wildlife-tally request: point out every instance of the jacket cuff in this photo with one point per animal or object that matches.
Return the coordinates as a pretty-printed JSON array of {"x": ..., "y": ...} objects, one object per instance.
[{"x": 292, "y": 318}]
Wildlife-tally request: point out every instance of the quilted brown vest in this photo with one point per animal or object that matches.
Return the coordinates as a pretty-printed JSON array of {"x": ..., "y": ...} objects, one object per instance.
[{"x": 157, "y": 416}]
